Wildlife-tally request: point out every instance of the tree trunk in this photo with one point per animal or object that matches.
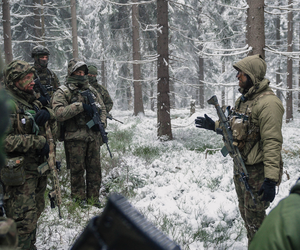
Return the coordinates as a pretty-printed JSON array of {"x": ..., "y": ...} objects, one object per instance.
[
  {"x": 164, "y": 131},
  {"x": 103, "y": 78},
  {"x": 289, "y": 80},
  {"x": 223, "y": 87},
  {"x": 74, "y": 29},
  {"x": 38, "y": 22},
  {"x": 201, "y": 83},
  {"x": 256, "y": 27},
  {"x": 7, "y": 32},
  {"x": 278, "y": 78},
  {"x": 137, "y": 86}
]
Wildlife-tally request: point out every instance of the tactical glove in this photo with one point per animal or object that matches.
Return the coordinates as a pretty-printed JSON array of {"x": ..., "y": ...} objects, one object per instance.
[
  {"x": 205, "y": 122},
  {"x": 45, "y": 150},
  {"x": 42, "y": 117},
  {"x": 43, "y": 100},
  {"x": 88, "y": 109},
  {"x": 268, "y": 190}
]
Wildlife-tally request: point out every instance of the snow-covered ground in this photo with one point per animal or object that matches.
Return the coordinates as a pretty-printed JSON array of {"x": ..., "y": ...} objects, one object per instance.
[{"x": 182, "y": 188}]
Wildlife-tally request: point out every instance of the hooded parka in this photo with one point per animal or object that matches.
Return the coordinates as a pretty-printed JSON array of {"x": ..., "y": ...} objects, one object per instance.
[{"x": 266, "y": 114}]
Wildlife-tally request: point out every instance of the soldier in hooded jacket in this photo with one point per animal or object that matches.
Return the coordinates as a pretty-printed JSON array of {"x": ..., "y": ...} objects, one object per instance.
[
  {"x": 26, "y": 148},
  {"x": 256, "y": 122},
  {"x": 82, "y": 144}
]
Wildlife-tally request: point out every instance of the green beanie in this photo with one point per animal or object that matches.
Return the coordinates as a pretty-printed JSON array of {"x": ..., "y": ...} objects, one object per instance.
[{"x": 92, "y": 70}]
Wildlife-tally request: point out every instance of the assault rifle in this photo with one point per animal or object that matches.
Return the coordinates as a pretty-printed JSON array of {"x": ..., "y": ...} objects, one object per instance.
[
  {"x": 110, "y": 117},
  {"x": 55, "y": 195},
  {"x": 122, "y": 227},
  {"x": 230, "y": 146},
  {"x": 41, "y": 89},
  {"x": 96, "y": 120}
]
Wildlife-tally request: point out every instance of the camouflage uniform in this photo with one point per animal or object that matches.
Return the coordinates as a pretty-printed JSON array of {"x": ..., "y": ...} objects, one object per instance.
[
  {"x": 25, "y": 141},
  {"x": 8, "y": 227},
  {"x": 81, "y": 143},
  {"x": 261, "y": 146},
  {"x": 46, "y": 76},
  {"x": 108, "y": 102}
]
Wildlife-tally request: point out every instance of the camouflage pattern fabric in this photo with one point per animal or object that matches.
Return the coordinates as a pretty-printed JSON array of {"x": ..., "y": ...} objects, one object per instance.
[
  {"x": 81, "y": 143},
  {"x": 8, "y": 234},
  {"x": 101, "y": 89},
  {"x": 48, "y": 78},
  {"x": 103, "y": 92},
  {"x": 25, "y": 203},
  {"x": 84, "y": 156},
  {"x": 252, "y": 215}
]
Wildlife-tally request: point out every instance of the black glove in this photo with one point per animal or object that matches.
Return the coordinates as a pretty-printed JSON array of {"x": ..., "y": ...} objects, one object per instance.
[
  {"x": 205, "y": 122},
  {"x": 43, "y": 100},
  {"x": 41, "y": 117},
  {"x": 95, "y": 128},
  {"x": 45, "y": 150},
  {"x": 88, "y": 109},
  {"x": 268, "y": 188}
]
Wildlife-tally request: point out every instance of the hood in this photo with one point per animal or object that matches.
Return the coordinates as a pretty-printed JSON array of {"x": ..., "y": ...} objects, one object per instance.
[
  {"x": 254, "y": 66},
  {"x": 75, "y": 64}
]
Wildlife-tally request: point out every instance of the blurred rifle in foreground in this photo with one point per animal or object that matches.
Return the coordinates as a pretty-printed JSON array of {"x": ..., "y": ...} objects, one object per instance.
[
  {"x": 96, "y": 120},
  {"x": 122, "y": 227},
  {"x": 55, "y": 194},
  {"x": 109, "y": 116},
  {"x": 230, "y": 147}
]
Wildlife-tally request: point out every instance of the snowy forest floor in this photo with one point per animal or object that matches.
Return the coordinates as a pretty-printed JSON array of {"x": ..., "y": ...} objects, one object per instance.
[{"x": 184, "y": 189}]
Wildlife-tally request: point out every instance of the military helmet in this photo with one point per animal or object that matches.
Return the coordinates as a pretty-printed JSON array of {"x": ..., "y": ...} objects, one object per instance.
[
  {"x": 93, "y": 70},
  {"x": 39, "y": 51},
  {"x": 16, "y": 70},
  {"x": 75, "y": 64}
]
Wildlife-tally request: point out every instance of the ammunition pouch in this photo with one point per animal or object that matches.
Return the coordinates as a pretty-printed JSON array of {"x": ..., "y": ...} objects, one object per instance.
[
  {"x": 43, "y": 168},
  {"x": 13, "y": 174}
]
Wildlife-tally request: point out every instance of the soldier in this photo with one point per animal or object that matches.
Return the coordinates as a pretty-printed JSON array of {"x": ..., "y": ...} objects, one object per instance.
[
  {"x": 26, "y": 148},
  {"x": 81, "y": 143},
  {"x": 8, "y": 227},
  {"x": 47, "y": 77},
  {"x": 101, "y": 89},
  {"x": 258, "y": 138}
]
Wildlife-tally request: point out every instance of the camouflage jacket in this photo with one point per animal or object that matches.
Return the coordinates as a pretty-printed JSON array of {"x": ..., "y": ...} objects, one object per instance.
[
  {"x": 67, "y": 105},
  {"x": 108, "y": 102},
  {"x": 24, "y": 137},
  {"x": 48, "y": 78}
]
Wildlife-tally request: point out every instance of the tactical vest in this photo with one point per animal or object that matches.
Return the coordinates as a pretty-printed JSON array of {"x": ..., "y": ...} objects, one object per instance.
[
  {"x": 22, "y": 120},
  {"x": 48, "y": 80},
  {"x": 244, "y": 131},
  {"x": 80, "y": 120}
]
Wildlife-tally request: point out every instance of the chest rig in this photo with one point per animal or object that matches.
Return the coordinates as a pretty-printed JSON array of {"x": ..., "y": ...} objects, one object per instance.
[
  {"x": 22, "y": 119},
  {"x": 80, "y": 120},
  {"x": 244, "y": 126}
]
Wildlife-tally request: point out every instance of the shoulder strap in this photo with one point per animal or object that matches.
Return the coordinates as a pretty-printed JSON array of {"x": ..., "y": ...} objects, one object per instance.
[{"x": 66, "y": 91}]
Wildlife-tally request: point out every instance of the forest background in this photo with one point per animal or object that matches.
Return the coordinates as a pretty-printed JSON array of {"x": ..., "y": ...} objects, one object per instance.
[{"x": 205, "y": 38}]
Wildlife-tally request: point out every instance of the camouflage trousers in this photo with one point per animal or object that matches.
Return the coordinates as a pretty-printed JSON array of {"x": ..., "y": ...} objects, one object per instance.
[
  {"x": 25, "y": 204},
  {"x": 83, "y": 157},
  {"x": 253, "y": 215}
]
